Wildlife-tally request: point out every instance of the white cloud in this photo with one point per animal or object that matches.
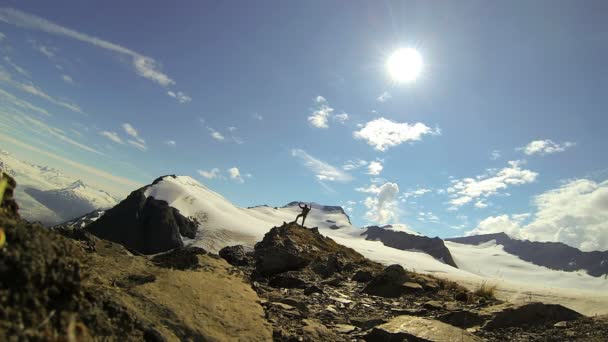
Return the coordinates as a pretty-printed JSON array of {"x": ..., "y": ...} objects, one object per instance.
[
  {"x": 383, "y": 133},
  {"x": 374, "y": 168},
  {"x": 144, "y": 66},
  {"x": 257, "y": 116},
  {"x": 215, "y": 134},
  {"x": 137, "y": 141},
  {"x": 14, "y": 100},
  {"x": 543, "y": 147},
  {"x": 26, "y": 122},
  {"x": 495, "y": 155},
  {"x": 576, "y": 214},
  {"x": 466, "y": 190},
  {"x": 235, "y": 175},
  {"x": 322, "y": 170},
  {"x": 171, "y": 143},
  {"x": 415, "y": 193},
  {"x": 30, "y": 88},
  {"x": 130, "y": 130},
  {"x": 384, "y": 97},
  {"x": 47, "y": 51},
  {"x": 211, "y": 174},
  {"x": 354, "y": 164},
  {"x": 2, "y": 36},
  {"x": 232, "y": 128},
  {"x": 179, "y": 96},
  {"x": 382, "y": 208},
  {"x": 17, "y": 68},
  {"x": 480, "y": 204},
  {"x": 113, "y": 136},
  {"x": 341, "y": 118},
  {"x": 427, "y": 217},
  {"x": 320, "y": 113},
  {"x": 67, "y": 79}
]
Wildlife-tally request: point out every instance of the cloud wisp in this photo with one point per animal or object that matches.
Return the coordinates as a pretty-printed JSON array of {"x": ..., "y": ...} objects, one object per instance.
[
  {"x": 320, "y": 114},
  {"x": 144, "y": 66},
  {"x": 322, "y": 170}
]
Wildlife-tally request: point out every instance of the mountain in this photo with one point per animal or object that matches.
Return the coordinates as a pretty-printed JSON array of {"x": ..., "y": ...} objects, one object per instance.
[
  {"x": 406, "y": 241},
  {"x": 554, "y": 255},
  {"x": 49, "y": 196},
  {"x": 176, "y": 211}
]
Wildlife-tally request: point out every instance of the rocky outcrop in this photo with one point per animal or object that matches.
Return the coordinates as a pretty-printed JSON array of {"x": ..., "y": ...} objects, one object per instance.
[
  {"x": 83, "y": 288},
  {"x": 404, "y": 241},
  {"x": 411, "y": 328},
  {"x": 237, "y": 255},
  {"x": 393, "y": 282},
  {"x": 144, "y": 224},
  {"x": 554, "y": 255},
  {"x": 292, "y": 247}
]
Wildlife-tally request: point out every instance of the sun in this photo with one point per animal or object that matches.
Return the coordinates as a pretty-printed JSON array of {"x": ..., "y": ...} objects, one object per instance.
[{"x": 405, "y": 65}]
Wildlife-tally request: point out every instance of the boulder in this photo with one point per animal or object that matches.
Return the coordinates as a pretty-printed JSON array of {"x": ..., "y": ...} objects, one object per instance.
[
  {"x": 362, "y": 276},
  {"x": 527, "y": 314},
  {"x": 287, "y": 281},
  {"x": 236, "y": 255},
  {"x": 393, "y": 282},
  {"x": 411, "y": 328}
]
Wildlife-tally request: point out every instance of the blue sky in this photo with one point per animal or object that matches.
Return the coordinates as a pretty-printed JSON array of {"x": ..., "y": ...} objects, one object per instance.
[{"x": 295, "y": 96}]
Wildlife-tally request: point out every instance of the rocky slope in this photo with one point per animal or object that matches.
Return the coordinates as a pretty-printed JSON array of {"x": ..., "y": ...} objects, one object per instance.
[
  {"x": 554, "y": 255},
  {"x": 76, "y": 287},
  {"x": 404, "y": 241}
]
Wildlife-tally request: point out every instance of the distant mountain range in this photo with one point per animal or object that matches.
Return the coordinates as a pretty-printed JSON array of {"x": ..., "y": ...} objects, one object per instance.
[
  {"x": 49, "y": 196},
  {"x": 554, "y": 255}
]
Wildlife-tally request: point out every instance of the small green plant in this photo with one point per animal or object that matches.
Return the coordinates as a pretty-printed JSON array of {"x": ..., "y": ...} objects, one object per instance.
[
  {"x": 486, "y": 290},
  {"x": 3, "y": 185}
]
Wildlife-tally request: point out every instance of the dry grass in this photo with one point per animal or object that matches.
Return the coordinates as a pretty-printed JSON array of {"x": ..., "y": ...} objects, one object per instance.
[{"x": 486, "y": 290}]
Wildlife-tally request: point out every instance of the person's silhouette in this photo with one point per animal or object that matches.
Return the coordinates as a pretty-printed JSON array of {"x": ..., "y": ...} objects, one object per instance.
[{"x": 305, "y": 211}]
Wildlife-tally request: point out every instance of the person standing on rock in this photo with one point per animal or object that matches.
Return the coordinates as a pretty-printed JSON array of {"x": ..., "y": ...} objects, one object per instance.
[{"x": 305, "y": 211}]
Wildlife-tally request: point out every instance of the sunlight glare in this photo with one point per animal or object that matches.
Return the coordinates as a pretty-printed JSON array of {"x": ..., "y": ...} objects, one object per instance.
[{"x": 405, "y": 65}]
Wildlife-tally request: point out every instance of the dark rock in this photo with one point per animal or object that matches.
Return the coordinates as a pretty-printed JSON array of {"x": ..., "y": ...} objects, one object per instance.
[
  {"x": 152, "y": 335},
  {"x": 389, "y": 283},
  {"x": 366, "y": 323},
  {"x": 236, "y": 255},
  {"x": 410, "y": 328},
  {"x": 462, "y": 319},
  {"x": 433, "y": 305},
  {"x": 328, "y": 266},
  {"x": 287, "y": 281},
  {"x": 144, "y": 224},
  {"x": 362, "y": 276},
  {"x": 404, "y": 241},
  {"x": 312, "y": 289},
  {"x": 185, "y": 258},
  {"x": 554, "y": 255},
  {"x": 528, "y": 314}
]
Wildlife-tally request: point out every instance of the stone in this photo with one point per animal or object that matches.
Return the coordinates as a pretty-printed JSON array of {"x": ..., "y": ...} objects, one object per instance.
[
  {"x": 411, "y": 328},
  {"x": 433, "y": 305},
  {"x": 367, "y": 322},
  {"x": 314, "y": 330},
  {"x": 287, "y": 281},
  {"x": 409, "y": 286},
  {"x": 312, "y": 289},
  {"x": 235, "y": 255},
  {"x": 344, "y": 328},
  {"x": 562, "y": 324},
  {"x": 362, "y": 276},
  {"x": 389, "y": 283},
  {"x": 527, "y": 314},
  {"x": 462, "y": 319}
]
